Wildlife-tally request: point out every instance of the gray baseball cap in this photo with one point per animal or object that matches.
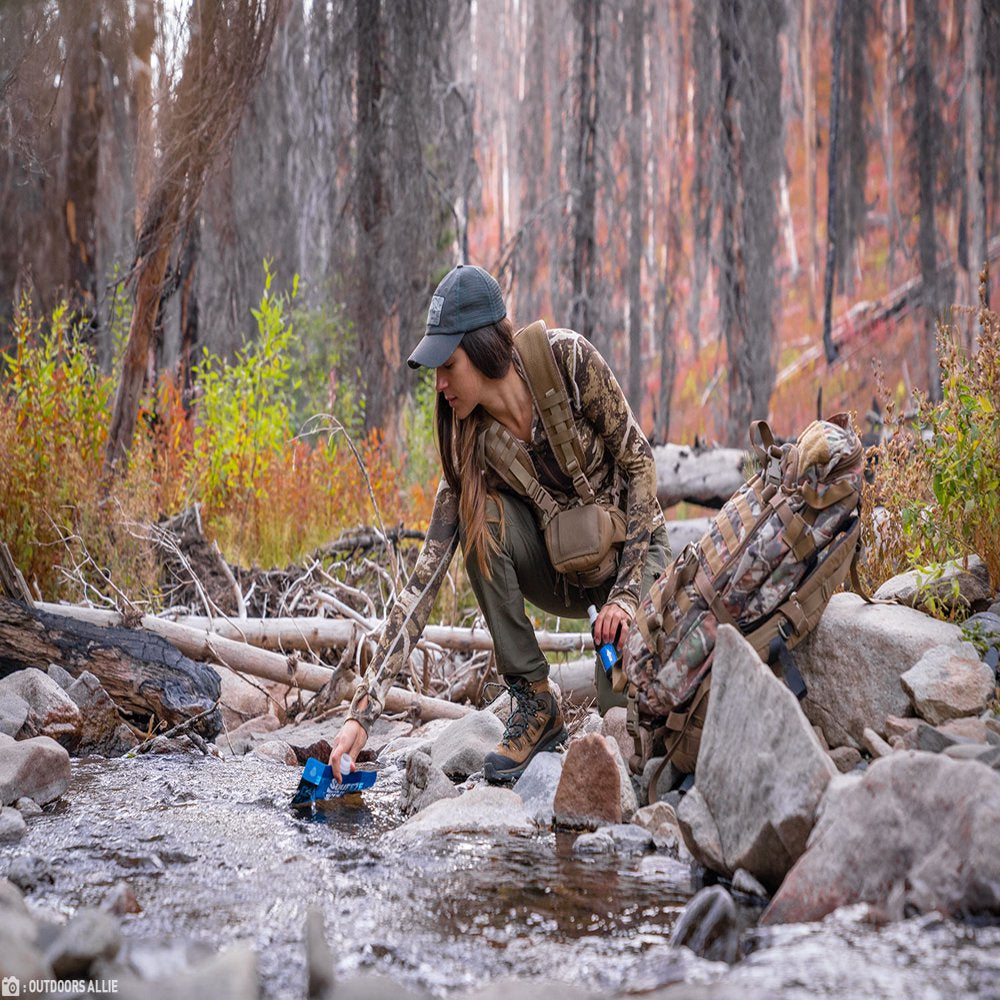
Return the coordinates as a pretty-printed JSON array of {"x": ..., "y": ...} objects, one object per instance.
[{"x": 467, "y": 298}]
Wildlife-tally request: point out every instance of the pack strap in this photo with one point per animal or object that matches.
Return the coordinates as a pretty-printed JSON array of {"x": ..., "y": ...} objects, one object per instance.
[
  {"x": 513, "y": 464},
  {"x": 685, "y": 718},
  {"x": 549, "y": 393}
]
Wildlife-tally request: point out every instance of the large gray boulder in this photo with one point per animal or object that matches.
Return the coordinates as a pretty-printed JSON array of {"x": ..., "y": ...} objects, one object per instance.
[
  {"x": 761, "y": 771},
  {"x": 51, "y": 711},
  {"x": 537, "y": 786},
  {"x": 947, "y": 586},
  {"x": 948, "y": 683},
  {"x": 484, "y": 809},
  {"x": 36, "y": 769},
  {"x": 461, "y": 749},
  {"x": 853, "y": 659},
  {"x": 424, "y": 784},
  {"x": 917, "y": 823}
]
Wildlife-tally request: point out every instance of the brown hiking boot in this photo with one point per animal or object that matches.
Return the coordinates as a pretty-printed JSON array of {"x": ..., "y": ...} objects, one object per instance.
[{"x": 535, "y": 725}]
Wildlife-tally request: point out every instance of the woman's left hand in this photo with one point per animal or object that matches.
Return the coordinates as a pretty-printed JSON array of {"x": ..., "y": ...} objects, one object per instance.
[{"x": 611, "y": 625}]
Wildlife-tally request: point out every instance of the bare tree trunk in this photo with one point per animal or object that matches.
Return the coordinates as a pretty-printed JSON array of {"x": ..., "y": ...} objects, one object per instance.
[
  {"x": 974, "y": 164},
  {"x": 587, "y": 13},
  {"x": 926, "y": 166},
  {"x": 142, "y": 53},
  {"x": 637, "y": 226},
  {"x": 829, "y": 348},
  {"x": 809, "y": 136},
  {"x": 83, "y": 71},
  {"x": 226, "y": 51}
]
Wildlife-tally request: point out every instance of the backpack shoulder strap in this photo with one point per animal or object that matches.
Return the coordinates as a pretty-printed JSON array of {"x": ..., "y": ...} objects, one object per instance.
[
  {"x": 549, "y": 392},
  {"x": 512, "y": 463}
]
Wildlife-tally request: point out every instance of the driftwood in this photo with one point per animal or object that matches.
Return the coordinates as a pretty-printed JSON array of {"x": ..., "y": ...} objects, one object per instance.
[
  {"x": 144, "y": 675},
  {"x": 237, "y": 655},
  {"x": 705, "y": 476}
]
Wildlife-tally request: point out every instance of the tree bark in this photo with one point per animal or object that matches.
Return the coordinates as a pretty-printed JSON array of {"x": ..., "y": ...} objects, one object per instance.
[
  {"x": 248, "y": 659},
  {"x": 974, "y": 162},
  {"x": 584, "y": 227},
  {"x": 83, "y": 83},
  {"x": 144, "y": 675},
  {"x": 829, "y": 348}
]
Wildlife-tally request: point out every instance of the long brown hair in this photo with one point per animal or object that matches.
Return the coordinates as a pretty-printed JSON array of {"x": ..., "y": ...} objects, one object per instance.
[{"x": 491, "y": 351}]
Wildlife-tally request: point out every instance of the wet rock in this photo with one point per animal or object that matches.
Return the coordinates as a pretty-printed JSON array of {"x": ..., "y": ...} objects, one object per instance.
[
  {"x": 319, "y": 957},
  {"x": 27, "y": 807},
  {"x": 51, "y": 712},
  {"x": 622, "y": 838},
  {"x": 90, "y": 935},
  {"x": 244, "y": 737},
  {"x": 659, "y": 819},
  {"x": 845, "y": 758},
  {"x": 699, "y": 831},
  {"x": 947, "y": 683},
  {"x": 13, "y": 713},
  {"x": 277, "y": 751},
  {"x": 12, "y": 825},
  {"x": 102, "y": 731},
  {"x": 537, "y": 786},
  {"x": 853, "y": 659},
  {"x": 763, "y": 798},
  {"x": 484, "y": 809},
  {"x": 744, "y": 882},
  {"x": 916, "y": 818},
  {"x": 424, "y": 784},
  {"x": 36, "y": 768},
  {"x": 230, "y": 975},
  {"x": 28, "y": 871},
  {"x": 613, "y": 727},
  {"x": 589, "y": 793},
  {"x": 628, "y": 795},
  {"x": 935, "y": 587},
  {"x": 121, "y": 900},
  {"x": 461, "y": 749},
  {"x": 708, "y": 924}
]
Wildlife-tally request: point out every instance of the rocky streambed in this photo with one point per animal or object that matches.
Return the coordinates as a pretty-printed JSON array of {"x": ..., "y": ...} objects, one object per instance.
[{"x": 208, "y": 854}]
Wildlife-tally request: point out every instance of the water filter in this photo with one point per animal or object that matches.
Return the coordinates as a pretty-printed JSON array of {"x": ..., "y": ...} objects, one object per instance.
[{"x": 607, "y": 654}]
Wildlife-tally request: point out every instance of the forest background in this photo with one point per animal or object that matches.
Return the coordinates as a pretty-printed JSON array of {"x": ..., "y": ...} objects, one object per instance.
[{"x": 221, "y": 218}]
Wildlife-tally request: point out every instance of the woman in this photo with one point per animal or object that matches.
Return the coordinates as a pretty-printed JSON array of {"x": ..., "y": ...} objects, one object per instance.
[{"x": 480, "y": 378}]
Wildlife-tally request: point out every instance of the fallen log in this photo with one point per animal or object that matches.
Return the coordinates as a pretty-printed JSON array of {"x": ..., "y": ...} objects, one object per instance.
[
  {"x": 705, "y": 476},
  {"x": 143, "y": 674},
  {"x": 311, "y": 632},
  {"x": 238, "y": 655}
]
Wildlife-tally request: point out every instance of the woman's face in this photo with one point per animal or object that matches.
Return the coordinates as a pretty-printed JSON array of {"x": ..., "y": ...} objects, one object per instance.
[{"x": 461, "y": 382}]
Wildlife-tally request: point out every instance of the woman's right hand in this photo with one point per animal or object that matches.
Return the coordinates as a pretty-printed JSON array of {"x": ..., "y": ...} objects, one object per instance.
[{"x": 350, "y": 740}]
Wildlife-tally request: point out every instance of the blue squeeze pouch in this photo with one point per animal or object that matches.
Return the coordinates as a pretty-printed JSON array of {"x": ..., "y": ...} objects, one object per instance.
[{"x": 318, "y": 783}]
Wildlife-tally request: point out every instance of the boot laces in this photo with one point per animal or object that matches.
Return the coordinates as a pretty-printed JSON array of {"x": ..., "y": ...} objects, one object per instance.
[{"x": 525, "y": 706}]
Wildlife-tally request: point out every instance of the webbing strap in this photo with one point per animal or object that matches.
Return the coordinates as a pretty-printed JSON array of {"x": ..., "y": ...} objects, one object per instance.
[
  {"x": 549, "y": 392},
  {"x": 513, "y": 464},
  {"x": 699, "y": 696},
  {"x": 837, "y": 491},
  {"x": 797, "y": 534}
]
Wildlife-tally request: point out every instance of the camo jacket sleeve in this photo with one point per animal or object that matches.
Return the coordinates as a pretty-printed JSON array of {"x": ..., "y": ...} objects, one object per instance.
[
  {"x": 410, "y": 610},
  {"x": 599, "y": 398}
]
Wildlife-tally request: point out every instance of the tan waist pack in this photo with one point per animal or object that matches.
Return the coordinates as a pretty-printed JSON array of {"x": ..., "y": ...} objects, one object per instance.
[{"x": 583, "y": 541}]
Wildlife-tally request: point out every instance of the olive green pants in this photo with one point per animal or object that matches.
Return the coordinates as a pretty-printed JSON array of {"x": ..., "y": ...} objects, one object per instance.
[{"x": 522, "y": 571}]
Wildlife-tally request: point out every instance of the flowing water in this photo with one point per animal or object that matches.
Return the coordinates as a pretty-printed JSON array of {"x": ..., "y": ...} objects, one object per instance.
[{"x": 214, "y": 855}]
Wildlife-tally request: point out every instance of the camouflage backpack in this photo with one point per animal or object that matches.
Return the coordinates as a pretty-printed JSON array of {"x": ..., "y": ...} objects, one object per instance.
[{"x": 768, "y": 564}]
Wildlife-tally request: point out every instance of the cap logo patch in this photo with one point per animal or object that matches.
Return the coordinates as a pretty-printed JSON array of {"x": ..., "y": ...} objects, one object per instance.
[{"x": 434, "y": 313}]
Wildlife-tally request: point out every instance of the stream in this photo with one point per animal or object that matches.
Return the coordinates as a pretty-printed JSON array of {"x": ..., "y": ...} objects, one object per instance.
[{"x": 214, "y": 855}]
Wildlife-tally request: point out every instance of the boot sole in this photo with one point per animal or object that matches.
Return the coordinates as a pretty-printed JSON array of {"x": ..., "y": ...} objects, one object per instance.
[{"x": 495, "y": 777}]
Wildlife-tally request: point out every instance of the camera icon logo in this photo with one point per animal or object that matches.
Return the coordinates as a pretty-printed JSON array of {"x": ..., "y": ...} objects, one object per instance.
[{"x": 10, "y": 986}]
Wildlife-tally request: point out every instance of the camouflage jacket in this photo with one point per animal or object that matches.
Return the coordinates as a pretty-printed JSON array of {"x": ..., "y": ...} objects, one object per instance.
[{"x": 619, "y": 467}]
